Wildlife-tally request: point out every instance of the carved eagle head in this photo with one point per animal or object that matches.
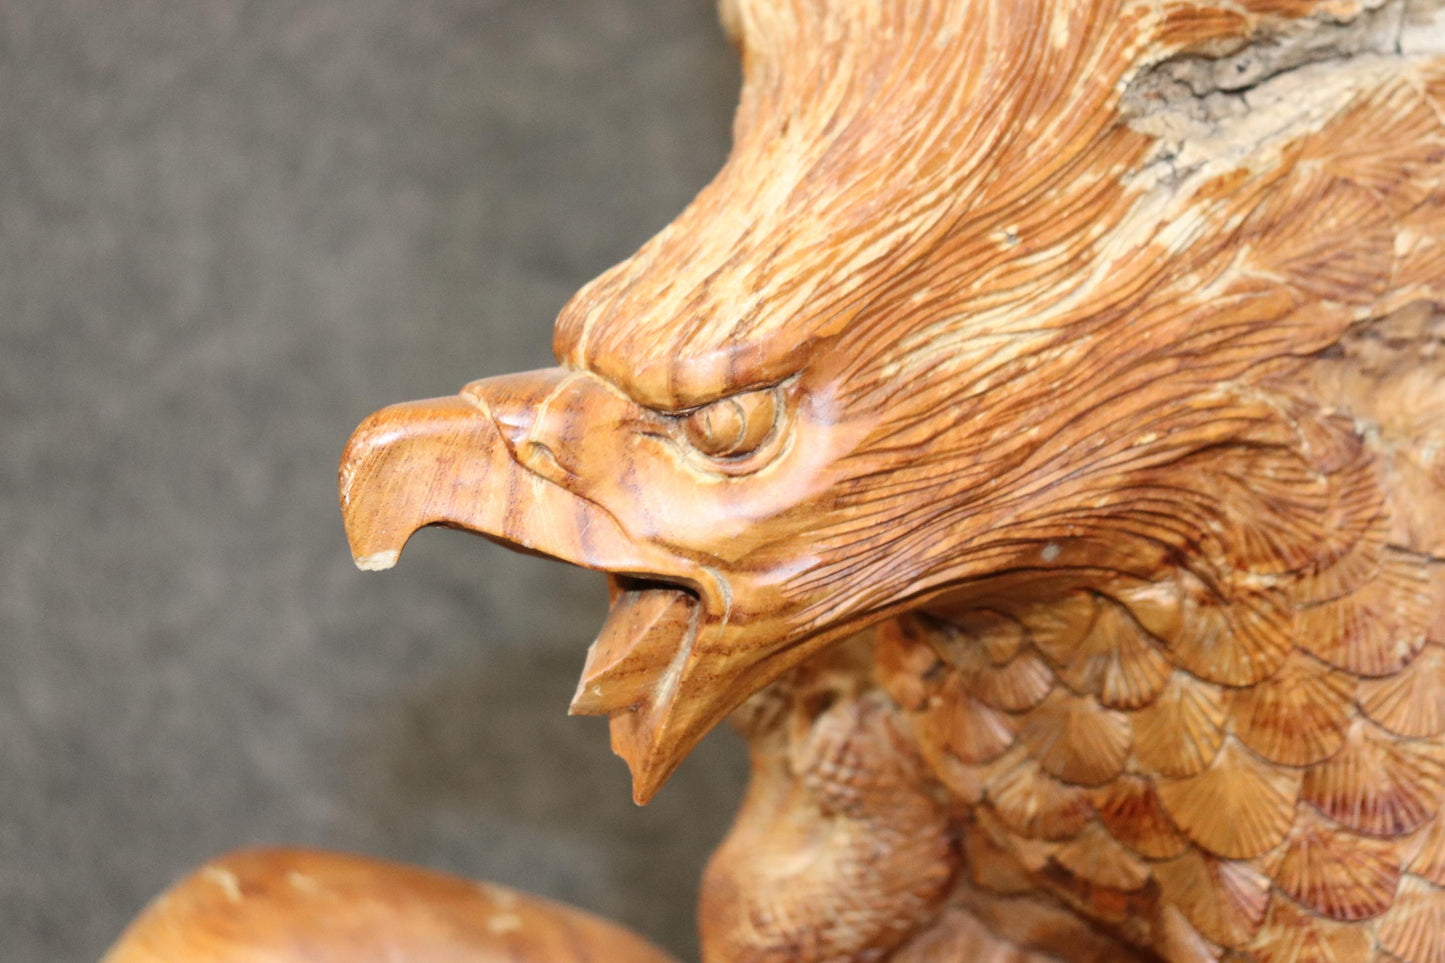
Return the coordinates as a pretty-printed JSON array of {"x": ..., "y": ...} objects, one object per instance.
[{"x": 965, "y": 313}]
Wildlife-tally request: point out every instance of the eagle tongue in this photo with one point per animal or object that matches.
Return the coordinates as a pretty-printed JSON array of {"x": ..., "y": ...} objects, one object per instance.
[{"x": 645, "y": 629}]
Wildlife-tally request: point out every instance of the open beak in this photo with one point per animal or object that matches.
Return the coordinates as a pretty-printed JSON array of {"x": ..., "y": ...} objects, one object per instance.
[{"x": 481, "y": 461}]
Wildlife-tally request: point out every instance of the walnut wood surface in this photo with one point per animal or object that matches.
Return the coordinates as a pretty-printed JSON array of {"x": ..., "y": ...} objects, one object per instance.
[{"x": 1038, "y": 429}]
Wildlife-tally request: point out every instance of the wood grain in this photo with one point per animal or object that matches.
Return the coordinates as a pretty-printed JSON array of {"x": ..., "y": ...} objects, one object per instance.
[
  {"x": 1035, "y": 437},
  {"x": 301, "y": 906}
]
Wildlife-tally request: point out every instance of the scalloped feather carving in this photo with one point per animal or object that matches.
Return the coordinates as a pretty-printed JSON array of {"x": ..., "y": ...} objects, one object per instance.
[
  {"x": 1428, "y": 859},
  {"x": 1414, "y": 929},
  {"x": 1157, "y": 606},
  {"x": 956, "y": 723},
  {"x": 1130, "y": 809},
  {"x": 1059, "y": 627},
  {"x": 1117, "y": 661},
  {"x": 1376, "y": 630},
  {"x": 1094, "y": 856},
  {"x": 1411, "y": 702},
  {"x": 1182, "y": 730},
  {"x": 1034, "y": 803},
  {"x": 1239, "y": 807},
  {"x": 1378, "y": 784},
  {"x": 1224, "y": 900},
  {"x": 997, "y": 635},
  {"x": 1015, "y": 686},
  {"x": 1076, "y": 739},
  {"x": 1295, "y": 935},
  {"x": 1298, "y": 715},
  {"x": 1337, "y": 873},
  {"x": 1355, "y": 566},
  {"x": 1274, "y": 503},
  {"x": 1237, "y": 641}
]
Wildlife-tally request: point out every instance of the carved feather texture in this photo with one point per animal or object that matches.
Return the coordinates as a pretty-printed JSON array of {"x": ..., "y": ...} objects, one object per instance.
[
  {"x": 1362, "y": 546},
  {"x": 1237, "y": 807},
  {"x": 831, "y": 758},
  {"x": 1294, "y": 935},
  {"x": 1225, "y": 900},
  {"x": 1233, "y": 641},
  {"x": 1377, "y": 629},
  {"x": 1180, "y": 732},
  {"x": 1076, "y": 739},
  {"x": 1401, "y": 165},
  {"x": 1117, "y": 662},
  {"x": 1130, "y": 809},
  {"x": 1275, "y": 501},
  {"x": 1034, "y": 803},
  {"x": 1015, "y": 686},
  {"x": 1378, "y": 784},
  {"x": 996, "y": 635},
  {"x": 1317, "y": 263},
  {"x": 1059, "y": 629},
  {"x": 1427, "y": 859},
  {"x": 962, "y": 726},
  {"x": 1336, "y": 873},
  {"x": 1095, "y": 857},
  {"x": 1298, "y": 715},
  {"x": 1414, "y": 929},
  {"x": 1411, "y": 702}
]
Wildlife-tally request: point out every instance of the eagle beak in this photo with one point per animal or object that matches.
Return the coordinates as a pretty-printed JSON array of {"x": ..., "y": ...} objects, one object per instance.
[
  {"x": 483, "y": 461},
  {"x": 453, "y": 462},
  {"x": 690, "y": 695},
  {"x": 638, "y": 674}
]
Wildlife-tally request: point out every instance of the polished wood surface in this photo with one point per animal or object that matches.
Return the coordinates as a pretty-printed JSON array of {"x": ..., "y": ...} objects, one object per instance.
[
  {"x": 1035, "y": 439},
  {"x": 302, "y": 906}
]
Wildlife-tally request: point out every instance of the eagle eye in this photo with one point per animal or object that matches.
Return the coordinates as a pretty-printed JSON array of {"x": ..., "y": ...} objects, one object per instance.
[{"x": 734, "y": 426}]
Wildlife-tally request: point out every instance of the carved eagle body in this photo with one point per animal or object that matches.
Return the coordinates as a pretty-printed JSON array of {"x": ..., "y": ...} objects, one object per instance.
[{"x": 1038, "y": 428}]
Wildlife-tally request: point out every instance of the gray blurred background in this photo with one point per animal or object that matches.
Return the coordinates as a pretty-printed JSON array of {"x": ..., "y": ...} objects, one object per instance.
[{"x": 229, "y": 229}]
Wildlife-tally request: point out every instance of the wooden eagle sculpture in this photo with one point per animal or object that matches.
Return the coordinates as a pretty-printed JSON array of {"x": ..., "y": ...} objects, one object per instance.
[{"x": 1034, "y": 440}]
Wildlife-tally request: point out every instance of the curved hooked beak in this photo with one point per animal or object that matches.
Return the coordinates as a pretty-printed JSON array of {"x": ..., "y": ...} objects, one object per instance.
[
  {"x": 480, "y": 462},
  {"x": 455, "y": 462}
]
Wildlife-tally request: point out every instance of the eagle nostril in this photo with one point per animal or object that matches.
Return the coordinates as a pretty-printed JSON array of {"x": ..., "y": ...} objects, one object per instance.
[
  {"x": 518, "y": 428},
  {"x": 539, "y": 459},
  {"x": 514, "y": 426}
]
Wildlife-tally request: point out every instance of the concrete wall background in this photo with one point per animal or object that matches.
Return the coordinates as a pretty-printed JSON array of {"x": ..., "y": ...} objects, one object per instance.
[{"x": 228, "y": 230}]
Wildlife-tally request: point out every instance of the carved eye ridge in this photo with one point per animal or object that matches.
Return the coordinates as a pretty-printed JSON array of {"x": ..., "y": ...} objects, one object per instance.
[{"x": 735, "y": 426}]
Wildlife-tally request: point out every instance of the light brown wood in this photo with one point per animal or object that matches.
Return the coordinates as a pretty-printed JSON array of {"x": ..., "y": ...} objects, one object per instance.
[
  {"x": 1038, "y": 430},
  {"x": 301, "y": 906}
]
